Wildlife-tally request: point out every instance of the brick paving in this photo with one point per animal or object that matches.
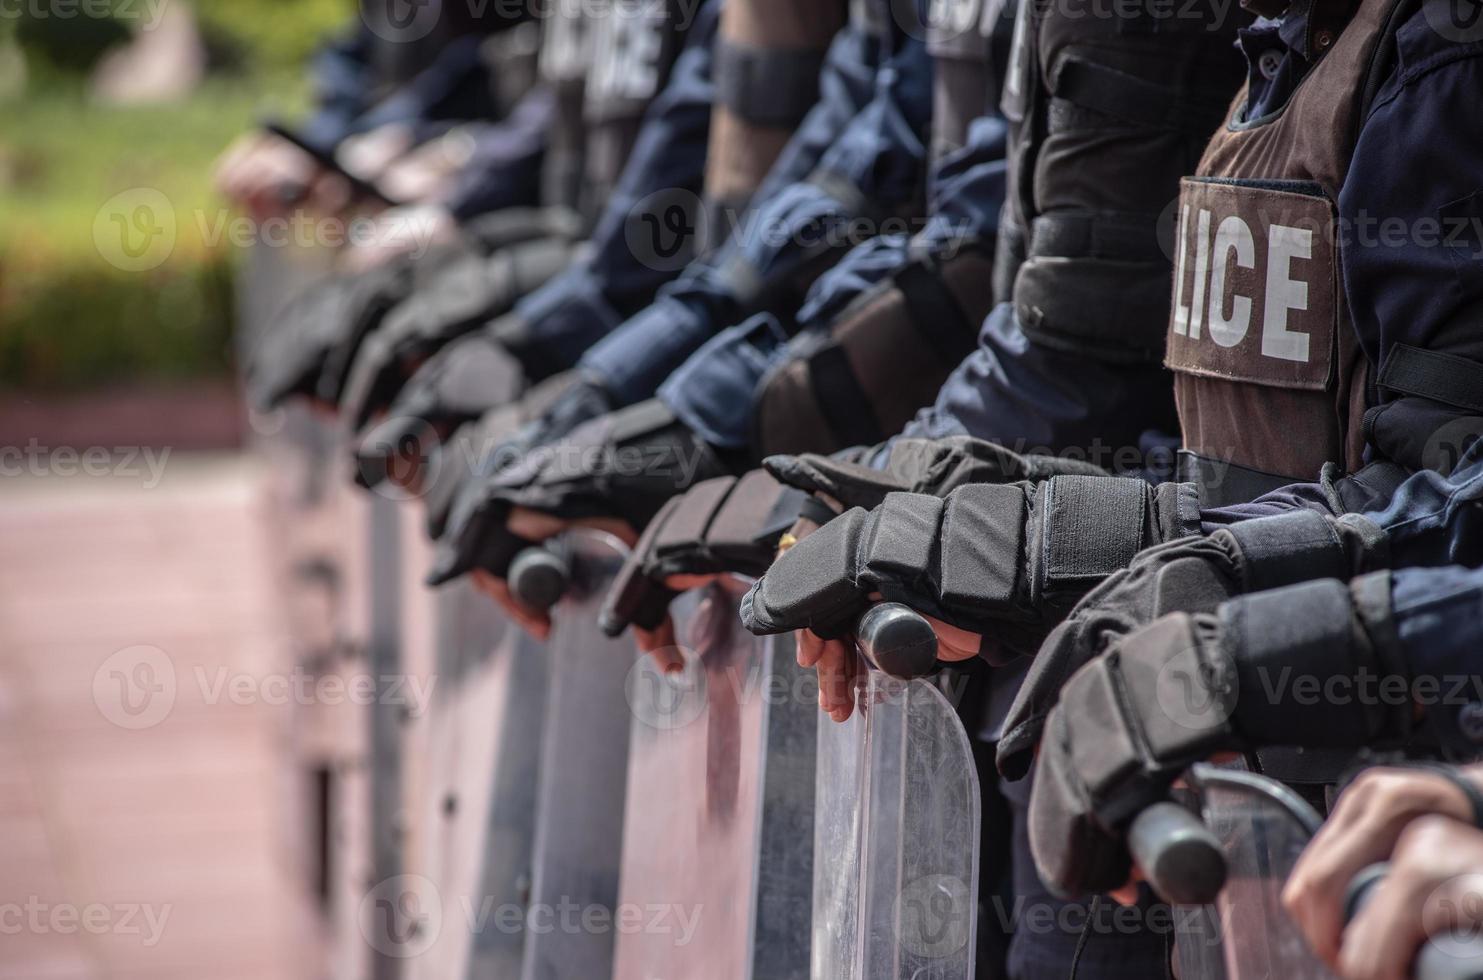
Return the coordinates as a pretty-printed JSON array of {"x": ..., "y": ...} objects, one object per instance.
[{"x": 148, "y": 829}]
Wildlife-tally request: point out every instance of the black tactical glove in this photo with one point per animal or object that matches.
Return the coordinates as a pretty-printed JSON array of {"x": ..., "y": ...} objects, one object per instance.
[
  {"x": 734, "y": 526},
  {"x": 728, "y": 524},
  {"x": 326, "y": 316},
  {"x": 1194, "y": 575},
  {"x": 1188, "y": 686},
  {"x": 1006, "y": 560},
  {"x": 460, "y": 384},
  {"x": 931, "y": 466},
  {"x": 623, "y": 465},
  {"x": 467, "y": 292},
  {"x": 473, "y": 452}
]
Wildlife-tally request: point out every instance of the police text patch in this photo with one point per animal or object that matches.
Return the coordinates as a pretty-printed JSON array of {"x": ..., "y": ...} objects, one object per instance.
[{"x": 1256, "y": 276}]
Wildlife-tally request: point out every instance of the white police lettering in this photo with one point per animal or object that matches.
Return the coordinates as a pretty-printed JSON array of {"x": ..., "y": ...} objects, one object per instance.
[
  {"x": 1255, "y": 287},
  {"x": 627, "y": 61}
]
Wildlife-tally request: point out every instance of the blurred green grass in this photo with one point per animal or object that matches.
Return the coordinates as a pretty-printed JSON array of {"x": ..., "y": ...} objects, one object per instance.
[{"x": 68, "y": 318}]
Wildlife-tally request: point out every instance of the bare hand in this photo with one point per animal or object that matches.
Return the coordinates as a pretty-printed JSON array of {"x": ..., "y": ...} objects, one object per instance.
[{"x": 1369, "y": 820}]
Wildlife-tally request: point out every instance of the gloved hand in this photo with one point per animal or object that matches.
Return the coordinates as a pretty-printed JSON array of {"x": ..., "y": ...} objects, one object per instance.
[
  {"x": 1186, "y": 687},
  {"x": 1009, "y": 559},
  {"x": 931, "y": 466},
  {"x": 1195, "y": 575},
  {"x": 319, "y": 321},
  {"x": 727, "y": 524},
  {"x": 458, "y": 385},
  {"x": 478, "y": 449},
  {"x": 734, "y": 526},
  {"x": 473, "y": 515},
  {"x": 467, "y": 292},
  {"x": 623, "y": 465}
]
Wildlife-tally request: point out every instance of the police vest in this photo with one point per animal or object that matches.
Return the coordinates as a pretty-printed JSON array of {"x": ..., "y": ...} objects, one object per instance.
[
  {"x": 1106, "y": 115},
  {"x": 634, "y": 46},
  {"x": 1268, "y": 373},
  {"x": 565, "y": 53}
]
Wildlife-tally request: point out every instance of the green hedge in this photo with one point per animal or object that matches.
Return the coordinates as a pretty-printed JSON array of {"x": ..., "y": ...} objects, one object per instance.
[{"x": 68, "y": 316}]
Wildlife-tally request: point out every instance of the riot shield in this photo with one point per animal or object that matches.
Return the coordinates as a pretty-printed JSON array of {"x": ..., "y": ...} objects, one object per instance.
[
  {"x": 478, "y": 746},
  {"x": 584, "y": 755},
  {"x": 718, "y": 834},
  {"x": 896, "y": 838},
  {"x": 1247, "y": 935}
]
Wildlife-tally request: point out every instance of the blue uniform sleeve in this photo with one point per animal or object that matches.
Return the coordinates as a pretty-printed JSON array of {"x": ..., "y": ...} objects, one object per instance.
[
  {"x": 505, "y": 168},
  {"x": 1034, "y": 398},
  {"x": 612, "y": 281},
  {"x": 875, "y": 160},
  {"x": 713, "y": 391},
  {"x": 455, "y": 87},
  {"x": 343, "y": 82},
  {"x": 1438, "y": 615},
  {"x": 1412, "y": 204}
]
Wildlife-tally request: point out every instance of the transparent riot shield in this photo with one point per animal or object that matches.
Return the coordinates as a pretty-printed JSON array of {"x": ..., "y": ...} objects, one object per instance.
[
  {"x": 718, "y": 835},
  {"x": 896, "y": 838},
  {"x": 584, "y": 755},
  {"x": 1262, "y": 828},
  {"x": 478, "y": 746}
]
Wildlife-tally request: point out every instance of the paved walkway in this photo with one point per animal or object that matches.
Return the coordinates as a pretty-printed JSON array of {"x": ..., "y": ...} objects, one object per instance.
[{"x": 147, "y": 795}]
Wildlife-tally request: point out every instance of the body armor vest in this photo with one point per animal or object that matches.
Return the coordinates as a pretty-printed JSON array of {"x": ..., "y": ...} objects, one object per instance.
[
  {"x": 767, "y": 64},
  {"x": 565, "y": 53},
  {"x": 634, "y": 46},
  {"x": 1106, "y": 114},
  {"x": 1269, "y": 377}
]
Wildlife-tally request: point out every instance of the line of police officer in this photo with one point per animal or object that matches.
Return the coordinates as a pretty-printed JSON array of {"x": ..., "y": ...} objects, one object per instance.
[{"x": 1062, "y": 325}]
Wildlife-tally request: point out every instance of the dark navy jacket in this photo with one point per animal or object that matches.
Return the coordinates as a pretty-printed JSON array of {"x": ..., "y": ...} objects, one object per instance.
[{"x": 867, "y": 134}]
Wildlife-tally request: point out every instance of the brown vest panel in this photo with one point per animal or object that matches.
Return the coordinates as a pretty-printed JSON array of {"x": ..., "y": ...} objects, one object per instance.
[{"x": 1268, "y": 370}]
